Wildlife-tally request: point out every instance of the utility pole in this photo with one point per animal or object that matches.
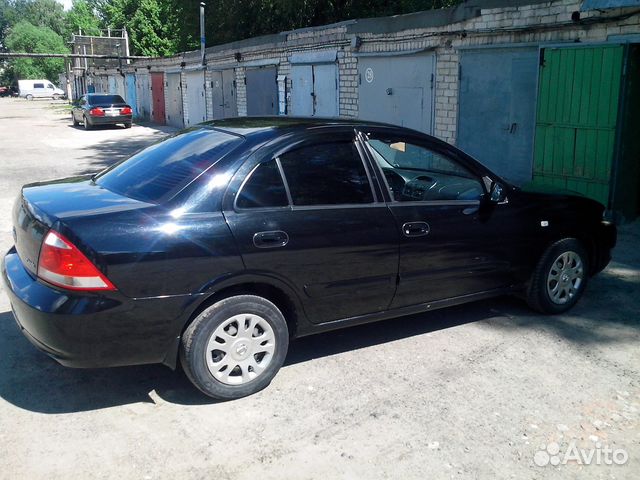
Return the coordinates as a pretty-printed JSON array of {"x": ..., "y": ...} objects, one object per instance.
[
  {"x": 125, "y": 35},
  {"x": 202, "y": 39}
]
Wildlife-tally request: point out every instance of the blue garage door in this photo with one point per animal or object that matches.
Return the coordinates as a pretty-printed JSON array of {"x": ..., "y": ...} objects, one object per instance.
[{"x": 131, "y": 93}]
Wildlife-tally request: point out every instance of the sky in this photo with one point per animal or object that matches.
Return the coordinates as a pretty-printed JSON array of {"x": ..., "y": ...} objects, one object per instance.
[{"x": 66, "y": 3}]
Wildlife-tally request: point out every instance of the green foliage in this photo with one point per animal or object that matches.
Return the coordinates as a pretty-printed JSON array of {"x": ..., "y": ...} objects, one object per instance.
[
  {"x": 151, "y": 24},
  {"x": 25, "y": 37},
  {"x": 81, "y": 18},
  {"x": 41, "y": 13}
]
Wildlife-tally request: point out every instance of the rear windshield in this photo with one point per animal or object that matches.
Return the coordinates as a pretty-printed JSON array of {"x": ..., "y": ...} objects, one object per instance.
[
  {"x": 159, "y": 172},
  {"x": 102, "y": 99}
]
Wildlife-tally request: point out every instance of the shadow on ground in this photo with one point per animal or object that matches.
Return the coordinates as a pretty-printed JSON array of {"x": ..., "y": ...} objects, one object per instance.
[
  {"x": 121, "y": 143},
  {"x": 32, "y": 381}
]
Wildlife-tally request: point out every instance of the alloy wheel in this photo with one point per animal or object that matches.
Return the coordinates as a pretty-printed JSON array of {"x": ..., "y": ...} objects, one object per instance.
[{"x": 565, "y": 277}]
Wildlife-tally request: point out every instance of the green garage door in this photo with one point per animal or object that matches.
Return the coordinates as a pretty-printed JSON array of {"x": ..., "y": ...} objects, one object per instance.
[{"x": 576, "y": 118}]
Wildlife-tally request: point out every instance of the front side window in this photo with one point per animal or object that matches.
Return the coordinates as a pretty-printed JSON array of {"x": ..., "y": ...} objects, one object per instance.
[
  {"x": 416, "y": 173},
  {"x": 50, "y": 86},
  {"x": 264, "y": 188},
  {"x": 326, "y": 174}
]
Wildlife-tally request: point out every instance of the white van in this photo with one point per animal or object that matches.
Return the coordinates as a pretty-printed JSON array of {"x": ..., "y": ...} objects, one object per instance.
[{"x": 31, "y": 89}]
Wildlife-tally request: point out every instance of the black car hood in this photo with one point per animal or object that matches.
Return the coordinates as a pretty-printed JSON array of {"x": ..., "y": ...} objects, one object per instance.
[{"x": 548, "y": 190}]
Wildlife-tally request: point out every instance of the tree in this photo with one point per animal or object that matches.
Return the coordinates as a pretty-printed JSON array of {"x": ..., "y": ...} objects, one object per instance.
[
  {"x": 41, "y": 13},
  {"x": 25, "y": 37},
  {"x": 151, "y": 24},
  {"x": 81, "y": 17}
]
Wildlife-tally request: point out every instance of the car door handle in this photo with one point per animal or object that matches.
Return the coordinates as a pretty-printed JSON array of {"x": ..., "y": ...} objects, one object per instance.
[
  {"x": 272, "y": 239},
  {"x": 415, "y": 229}
]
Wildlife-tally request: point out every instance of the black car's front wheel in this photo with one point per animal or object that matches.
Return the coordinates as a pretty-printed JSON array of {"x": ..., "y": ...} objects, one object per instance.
[
  {"x": 235, "y": 347},
  {"x": 560, "y": 277}
]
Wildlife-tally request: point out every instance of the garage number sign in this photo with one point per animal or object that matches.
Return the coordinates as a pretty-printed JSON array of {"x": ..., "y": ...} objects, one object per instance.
[{"x": 368, "y": 75}]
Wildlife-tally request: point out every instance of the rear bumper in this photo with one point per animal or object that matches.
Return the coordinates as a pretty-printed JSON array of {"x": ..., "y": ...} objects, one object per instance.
[
  {"x": 91, "y": 330},
  {"x": 109, "y": 120}
]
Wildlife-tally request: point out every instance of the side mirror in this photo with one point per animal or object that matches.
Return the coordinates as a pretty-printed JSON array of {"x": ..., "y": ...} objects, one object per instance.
[{"x": 497, "y": 194}]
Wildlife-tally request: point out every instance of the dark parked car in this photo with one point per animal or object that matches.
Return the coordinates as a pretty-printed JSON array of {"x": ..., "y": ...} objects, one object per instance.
[
  {"x": 99, "y": 109},
  {"x": 222, "y": 242}
]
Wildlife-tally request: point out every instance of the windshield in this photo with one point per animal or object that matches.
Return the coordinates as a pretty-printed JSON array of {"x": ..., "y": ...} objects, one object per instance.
[
  {"x": 159, "y": 172},
  {"x": 105, "y": 99}
]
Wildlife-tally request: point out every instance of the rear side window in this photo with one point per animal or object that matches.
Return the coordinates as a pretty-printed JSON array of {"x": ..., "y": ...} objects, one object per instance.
[
  {"x": 326, "y": 174},
  {"x": 38, "y": 85},
  {"x": 264, "y": 188},
  {"x": 160, "y": 171}
]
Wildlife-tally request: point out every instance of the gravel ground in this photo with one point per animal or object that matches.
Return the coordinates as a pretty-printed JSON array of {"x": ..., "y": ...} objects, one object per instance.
[{"x": 487, "y": 390}]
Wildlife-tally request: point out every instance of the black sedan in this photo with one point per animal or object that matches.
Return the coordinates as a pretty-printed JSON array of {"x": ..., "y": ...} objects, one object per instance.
[
  {"x": 99, "y": 109},
  {"x": 222, "y": 242}
]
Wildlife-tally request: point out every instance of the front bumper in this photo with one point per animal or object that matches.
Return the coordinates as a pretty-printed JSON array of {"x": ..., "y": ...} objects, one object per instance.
[
  {"x": 606, "y": 237},
  {"x": 91, "y": 329}
]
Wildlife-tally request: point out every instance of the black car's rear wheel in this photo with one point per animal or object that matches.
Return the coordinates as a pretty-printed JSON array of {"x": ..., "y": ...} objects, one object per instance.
[
  {"x": 559, "y": 278},
  {"x": 127, "y": 125},
  {"x": 87, "y": 125},
  {"x": 235, "y": 347}
]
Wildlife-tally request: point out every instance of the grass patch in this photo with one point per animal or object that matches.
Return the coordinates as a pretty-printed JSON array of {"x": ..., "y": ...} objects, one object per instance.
[{"x": 60, "y": 107}]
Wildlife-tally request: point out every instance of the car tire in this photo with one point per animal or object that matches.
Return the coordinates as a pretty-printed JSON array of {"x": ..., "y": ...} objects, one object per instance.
[
  {"x": 560, "y": 278},
  {"x": 75, "y": 122},
  {"x": 29, "y": 97},
  {"x": 127, "y": 125},
  {"x": 56, "y": 97},
  {"x": 248, "y": 331},
  {"x": 87, "y": 125}
]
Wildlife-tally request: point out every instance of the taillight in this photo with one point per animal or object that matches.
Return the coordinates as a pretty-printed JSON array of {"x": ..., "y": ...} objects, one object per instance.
[
  {"x": 126, "y": 111},
  {"x": 96, "y": 112},
  {"x": 62, "y": 264}
]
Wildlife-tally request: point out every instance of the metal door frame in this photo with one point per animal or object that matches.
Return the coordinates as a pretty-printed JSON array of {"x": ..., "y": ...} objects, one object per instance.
[
  {"x": 203, "y": 71},
  {"x": 179, "y": 73},
  {"x": 434, "y": 65},
  {"x": 503, "y": 46},
  {"x": 258, "y": 65}
]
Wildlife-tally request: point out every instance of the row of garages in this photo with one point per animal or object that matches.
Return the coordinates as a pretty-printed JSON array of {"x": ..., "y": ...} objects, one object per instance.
[
  {"x": 396, "y": 89},
  {"x": 560, "y": 116}
]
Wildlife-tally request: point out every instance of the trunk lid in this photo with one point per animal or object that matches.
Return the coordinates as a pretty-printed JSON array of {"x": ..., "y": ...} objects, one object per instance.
[{"x": 41, "y": 206}]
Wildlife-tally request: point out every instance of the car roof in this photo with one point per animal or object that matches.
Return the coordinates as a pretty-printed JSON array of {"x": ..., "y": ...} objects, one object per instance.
[{"x": 265, "y": 126}]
